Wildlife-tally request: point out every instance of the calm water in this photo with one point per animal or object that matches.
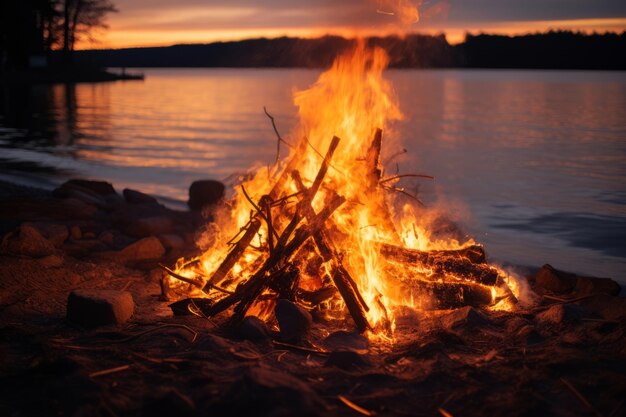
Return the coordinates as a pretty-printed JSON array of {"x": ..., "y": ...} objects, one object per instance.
[{"x": 533, "y": 163}]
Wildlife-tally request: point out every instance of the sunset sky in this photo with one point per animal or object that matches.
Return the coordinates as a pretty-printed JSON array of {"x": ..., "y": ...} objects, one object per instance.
[{"x": 167, "y": 22}]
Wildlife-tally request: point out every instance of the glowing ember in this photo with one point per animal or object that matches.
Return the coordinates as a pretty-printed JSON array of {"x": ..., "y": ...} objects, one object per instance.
[{"x": 328, "y": 231}]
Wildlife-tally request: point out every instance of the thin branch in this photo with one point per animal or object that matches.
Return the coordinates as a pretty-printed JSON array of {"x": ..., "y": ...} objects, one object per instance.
[
  {"x": 191, "y": 281},
  {"x": 280, "y": 139},
  {"x": 401, "y": 191},
  {"x": 261, "y": 212},
  {"x": 397, "y": 177}
]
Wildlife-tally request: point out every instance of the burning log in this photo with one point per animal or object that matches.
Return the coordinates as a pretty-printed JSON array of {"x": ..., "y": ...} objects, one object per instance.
[
  {"x": 458, "y": 263},
  {"x": 340, "y": 277},
  {"x": 474, "y": 253},
  {"x": 253, "y": 228}
]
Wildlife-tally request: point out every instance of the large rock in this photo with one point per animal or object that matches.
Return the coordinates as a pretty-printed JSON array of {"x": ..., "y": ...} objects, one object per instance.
[
  {"x": 552, "y": 280},
  {"x": 606, "y": 306},
  {"x": 98, "y": 187},
  {"x": 205, "y": 193},
  {"x": 137, "y": 197},
  {"x": 146, "y": 249},
  {"x": 26, "y": 241},
  {"x": 592, "y": 285},
  {"x": 94, "y": 307},
  {"x": 171, "y": 241},
  {"x": 294, "y": 321}
]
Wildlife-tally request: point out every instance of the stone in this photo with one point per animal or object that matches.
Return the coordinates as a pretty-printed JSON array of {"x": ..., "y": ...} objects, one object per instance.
[
  {"x": 26, "y": 241},
  {"x": 607, "y": 306},
  {"x": 527, "y": 335},
  {"x": 346, "y": 359},
  {"x": 592, "y": 285},
  {"x": 77, "y": 209},
  {"x": 294, "y": 321},
  {"x": 171, "y": 241},
  {"x": 107, "y": 237},
  {"x": 464, "y": 317},
  {"x": 253, "y": 328},
  {"x": 557, "y": 282},
  {"x": 51, "y": 261},
  {"x": 149, "y": 248},
  {"x": 56, "y": 233},
  {"x": 137, "y": 197},
  {"x": 562, "y": 314},
  {"x": 149, "y": 226},
  {"x": 205, "y": 193},
  {"x": 96, "y": 307},
  {"x": 76, "y": 233},
  {"x": 98, "y": 187},
  {"x": 344, "y": 340}
]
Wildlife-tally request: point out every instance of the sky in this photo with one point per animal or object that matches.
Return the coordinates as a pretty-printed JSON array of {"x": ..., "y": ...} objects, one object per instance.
[{"x": 168, "y": 22}]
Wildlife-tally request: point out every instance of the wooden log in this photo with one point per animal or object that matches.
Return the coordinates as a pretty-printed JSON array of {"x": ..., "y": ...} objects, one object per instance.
[
  {"x": 376, "y": 198},
  {"x": 448, "y": 295},
  {"x": 340, "y": 276},
  {"x": 318, "y": 296},
  {"x": 235, "y": 253},
  {"x": 258, "y": 282},
  {"x": 474, "y": 253},
  {"x": 443, "y": 264}
]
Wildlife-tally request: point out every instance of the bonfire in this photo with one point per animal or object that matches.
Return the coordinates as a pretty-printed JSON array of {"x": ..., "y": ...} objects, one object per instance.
[{"x": 327, "y": 228}]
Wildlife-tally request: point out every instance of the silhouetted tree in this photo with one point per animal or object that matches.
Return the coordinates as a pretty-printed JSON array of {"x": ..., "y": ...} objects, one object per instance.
[{"x": 79, "y": 18}]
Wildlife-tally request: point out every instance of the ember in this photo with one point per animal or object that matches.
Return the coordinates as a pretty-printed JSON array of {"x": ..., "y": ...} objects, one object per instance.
[{"x": 331, "y": 230}]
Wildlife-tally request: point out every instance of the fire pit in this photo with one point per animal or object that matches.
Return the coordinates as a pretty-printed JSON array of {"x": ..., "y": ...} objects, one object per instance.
[{"x": 330, "y": 229}]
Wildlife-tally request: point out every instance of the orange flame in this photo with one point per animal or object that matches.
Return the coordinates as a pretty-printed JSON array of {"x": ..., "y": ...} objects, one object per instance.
[{"x": 350, "y": 100}]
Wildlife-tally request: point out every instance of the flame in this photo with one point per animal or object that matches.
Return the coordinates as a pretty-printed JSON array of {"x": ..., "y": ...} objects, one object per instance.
[{"x": 353, "y": 101}]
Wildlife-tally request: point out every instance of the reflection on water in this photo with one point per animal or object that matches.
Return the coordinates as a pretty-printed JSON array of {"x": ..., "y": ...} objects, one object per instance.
[{"x": 533, "y": 162}]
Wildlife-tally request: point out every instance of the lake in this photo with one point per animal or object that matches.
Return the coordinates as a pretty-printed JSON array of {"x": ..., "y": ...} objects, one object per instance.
[{"x": 532, "y": 163}]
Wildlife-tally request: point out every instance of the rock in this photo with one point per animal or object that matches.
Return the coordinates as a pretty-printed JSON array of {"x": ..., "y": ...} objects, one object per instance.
[
  {"x": 555, "y": 281},
  {"x": 346, "y": 359},
  {"x": 137, "y": 197},
  {"x": 527, "y": 335},
  {"x": 562, "y": 314},
  {"x": 56, "y": 233},
  {"x": 171, "y": 241},
  {"x": 149, "y": 226},
  {"x": 94, "y": 307},
  {"x": 149, "y": 248},
  {"x": 606, "y": 306},
  {"x": 51, "y": 261},
  {"x": 169, "y": 403},
  {"x": 77, "y": 209},
  {"x": 294, "y": 321},
  {"x": 204, "y": 193},
  {"x": 466, "y": 317},
  {"x": 262, "y": 391},
  {"x": 343, "y": 340},
  {"x": 26, "y": 241},
  {"x": 591, "y": 285},
  {"x": 107, "y": 237},
  {"x": 98, "y": 187},
  {"x": 76, "y": 233},
  {"x": 253, "y": 328}
]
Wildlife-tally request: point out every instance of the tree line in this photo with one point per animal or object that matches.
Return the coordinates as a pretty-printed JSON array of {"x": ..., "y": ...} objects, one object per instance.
[{"x": 549, "y": 50}]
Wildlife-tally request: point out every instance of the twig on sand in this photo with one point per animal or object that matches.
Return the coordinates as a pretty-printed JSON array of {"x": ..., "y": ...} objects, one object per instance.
[
  {"x": 109, "y": 371},
  {"x": 580, "y": 397},
  {"x": 355, "y": 407}
]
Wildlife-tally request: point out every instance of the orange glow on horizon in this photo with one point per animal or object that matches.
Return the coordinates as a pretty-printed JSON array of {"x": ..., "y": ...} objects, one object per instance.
[{"x": 455, "y": 33}]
